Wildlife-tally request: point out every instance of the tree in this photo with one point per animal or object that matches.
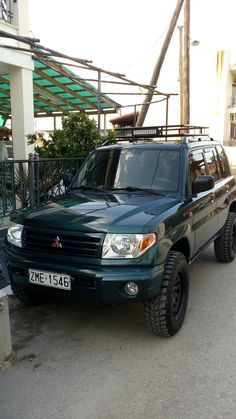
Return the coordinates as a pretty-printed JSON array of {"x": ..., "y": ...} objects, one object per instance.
[{"x": 79, "y": 135}]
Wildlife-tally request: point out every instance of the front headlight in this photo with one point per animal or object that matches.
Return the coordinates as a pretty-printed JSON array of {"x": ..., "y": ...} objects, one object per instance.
[
  {"x": 127, "y": 246},
  {"x": 14, "y": 234}
]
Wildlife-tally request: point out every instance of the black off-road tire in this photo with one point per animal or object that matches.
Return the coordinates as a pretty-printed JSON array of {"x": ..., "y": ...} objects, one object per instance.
[
  {"x": 225, "y": 244},
  {"x": 27, "y": 296},
  {"x": 165, "y": 313}
]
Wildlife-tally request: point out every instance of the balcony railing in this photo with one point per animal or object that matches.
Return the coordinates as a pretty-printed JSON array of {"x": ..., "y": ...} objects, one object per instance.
[{"x": 6, "y": 10}]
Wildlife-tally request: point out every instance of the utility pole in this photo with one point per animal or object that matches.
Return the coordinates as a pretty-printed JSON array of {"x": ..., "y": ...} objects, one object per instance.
[
  {"x": 180, "y": 74},
  {"x": 157, "y": 69},
  {"x": 186, "y": 65}
]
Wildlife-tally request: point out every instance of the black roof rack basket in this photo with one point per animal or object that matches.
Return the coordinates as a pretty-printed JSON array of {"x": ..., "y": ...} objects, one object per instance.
[
  {"x": 163, "y": 132},
  {"x": 160, "y": 131}
]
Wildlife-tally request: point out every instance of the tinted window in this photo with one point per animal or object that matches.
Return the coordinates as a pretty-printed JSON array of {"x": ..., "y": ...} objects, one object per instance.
[
  {"x": 136, "y": 167},
  {"x": 197, "y": 165},
  {"x": 211, "y": 162},
  {"x": 225, "y": 171}
]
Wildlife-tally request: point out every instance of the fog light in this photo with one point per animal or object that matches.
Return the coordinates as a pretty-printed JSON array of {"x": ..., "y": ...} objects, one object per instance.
[{"x": 131, "y": 288}]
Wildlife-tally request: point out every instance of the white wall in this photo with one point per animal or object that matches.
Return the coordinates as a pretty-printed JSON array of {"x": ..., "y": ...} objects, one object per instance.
[{"x": 19, "y": 65}]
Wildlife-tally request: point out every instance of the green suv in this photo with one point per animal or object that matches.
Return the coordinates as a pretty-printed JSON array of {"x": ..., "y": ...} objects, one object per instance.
[{"x": 138, "y": 212}]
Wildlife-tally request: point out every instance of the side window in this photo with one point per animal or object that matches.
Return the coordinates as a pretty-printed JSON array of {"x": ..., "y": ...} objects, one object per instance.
[
  {"x": 223, "y": 161},
  {"x": 196, "y": 164},
  {"x": 211, "y": 162}
]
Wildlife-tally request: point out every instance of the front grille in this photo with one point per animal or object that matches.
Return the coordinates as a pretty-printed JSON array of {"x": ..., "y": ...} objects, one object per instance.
[{"x": 62, "y": 243}]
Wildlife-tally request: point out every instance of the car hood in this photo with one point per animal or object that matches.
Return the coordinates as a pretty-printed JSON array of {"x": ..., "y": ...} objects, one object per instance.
[{"x": 104, "y": 212}]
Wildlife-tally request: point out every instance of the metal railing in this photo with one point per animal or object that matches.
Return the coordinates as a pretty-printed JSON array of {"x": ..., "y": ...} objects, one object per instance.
[
  {"x": 29, "y": 183},
  {"x": 6, "y": 10}
]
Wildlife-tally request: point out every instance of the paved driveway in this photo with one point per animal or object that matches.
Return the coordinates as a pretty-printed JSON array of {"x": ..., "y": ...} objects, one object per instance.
[{"x": 82, "y": 361}]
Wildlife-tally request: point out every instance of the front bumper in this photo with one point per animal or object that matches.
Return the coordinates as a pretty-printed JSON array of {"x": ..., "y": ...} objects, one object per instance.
[{"x": 92, "y": 283}]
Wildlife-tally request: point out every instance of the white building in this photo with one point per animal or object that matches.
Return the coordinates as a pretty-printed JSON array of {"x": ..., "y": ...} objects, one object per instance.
[
  {"x": 18, "y": 64},
  {"x": 213, "y": 95}
]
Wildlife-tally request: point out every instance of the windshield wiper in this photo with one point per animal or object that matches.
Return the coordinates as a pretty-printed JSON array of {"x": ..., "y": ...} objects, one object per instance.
[
  {"x": 87, "y": 188},
  {"x": 125, "y": 189},
  {"x": 135, "y": 188}
]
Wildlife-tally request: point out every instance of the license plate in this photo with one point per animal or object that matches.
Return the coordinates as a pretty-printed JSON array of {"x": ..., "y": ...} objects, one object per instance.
[{"x": 50, "y": 279}]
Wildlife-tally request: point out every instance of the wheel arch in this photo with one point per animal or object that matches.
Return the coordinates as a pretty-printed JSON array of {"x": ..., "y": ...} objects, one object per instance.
[
  {"x": 182, "y": 245},
  {"x": 232, "y": 207}
]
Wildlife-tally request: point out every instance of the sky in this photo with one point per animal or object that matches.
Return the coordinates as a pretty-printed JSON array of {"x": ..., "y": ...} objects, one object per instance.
[
  {"x": 120, "y": 34},
  {"x": 126, "y": 36}
]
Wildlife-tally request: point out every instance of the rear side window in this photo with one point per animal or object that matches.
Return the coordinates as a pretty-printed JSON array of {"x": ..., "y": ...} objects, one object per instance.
[{"x": 223, "y": 162}]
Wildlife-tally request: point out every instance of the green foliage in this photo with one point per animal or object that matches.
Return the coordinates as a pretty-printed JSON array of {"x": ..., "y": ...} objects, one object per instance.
[
  {"x": 79, "y": 135},
  {"x": 21, "y": 184}
]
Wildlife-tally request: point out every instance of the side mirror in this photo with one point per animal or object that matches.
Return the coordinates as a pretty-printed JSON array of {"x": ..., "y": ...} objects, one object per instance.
[
  {"x": 202, "y": 184},
  {"x": 67, "y": 178}
]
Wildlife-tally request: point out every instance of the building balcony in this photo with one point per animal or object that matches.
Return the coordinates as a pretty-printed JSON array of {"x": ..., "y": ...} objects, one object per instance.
[
  {"x": 14, "y": 20},
  {"x": 232, "y": 105},
  {"x": 7, "y": 10}
]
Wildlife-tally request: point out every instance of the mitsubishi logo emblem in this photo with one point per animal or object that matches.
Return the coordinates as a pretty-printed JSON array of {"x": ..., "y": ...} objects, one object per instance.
[{"x": 56, "y": 242}]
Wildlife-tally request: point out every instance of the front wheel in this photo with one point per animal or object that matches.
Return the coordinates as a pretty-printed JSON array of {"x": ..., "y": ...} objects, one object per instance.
[
  {"x": 225, "y": 244},
  {"x": 164, "y": 314}
]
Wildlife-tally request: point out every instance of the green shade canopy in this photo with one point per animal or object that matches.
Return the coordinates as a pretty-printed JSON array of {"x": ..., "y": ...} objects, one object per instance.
[{"x": 57, "y": 91}]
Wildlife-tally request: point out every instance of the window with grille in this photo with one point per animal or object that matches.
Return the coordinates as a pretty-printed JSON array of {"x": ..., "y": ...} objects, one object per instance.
[{"x": 233, "y": 126}]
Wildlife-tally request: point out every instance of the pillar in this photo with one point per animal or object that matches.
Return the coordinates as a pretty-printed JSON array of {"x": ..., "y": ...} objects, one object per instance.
[
  {"x": 21, "y": 83},
  {"x": 7, "y": 357}
]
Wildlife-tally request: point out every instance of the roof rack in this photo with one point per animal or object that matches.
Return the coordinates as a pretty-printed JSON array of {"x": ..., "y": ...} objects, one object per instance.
[
  {"x": 160, "y": 131},
  {"x": 164, "y": 132}
]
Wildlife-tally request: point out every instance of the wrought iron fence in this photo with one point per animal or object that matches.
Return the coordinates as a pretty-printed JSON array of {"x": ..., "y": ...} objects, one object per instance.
[{"x": 29, "y": 183}]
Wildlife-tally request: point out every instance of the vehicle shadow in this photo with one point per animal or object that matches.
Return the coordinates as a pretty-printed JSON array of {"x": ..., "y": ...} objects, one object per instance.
[{"x": 62, "y": 320}]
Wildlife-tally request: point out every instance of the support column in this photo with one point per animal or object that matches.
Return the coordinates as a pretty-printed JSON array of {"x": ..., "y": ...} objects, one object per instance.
[
  {"x": 7, "y": 357},
  {"x": 21, "y": 83}
]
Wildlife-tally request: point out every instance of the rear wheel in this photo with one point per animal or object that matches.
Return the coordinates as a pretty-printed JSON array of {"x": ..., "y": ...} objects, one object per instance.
[
  {"x": 27, "y": 296},
  {"x": 164, "y": 314},
  {"x": 225, "y": 244}
]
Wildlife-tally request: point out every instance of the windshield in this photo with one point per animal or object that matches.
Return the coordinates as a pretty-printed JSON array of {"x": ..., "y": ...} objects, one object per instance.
[{"x": 130, "y": 167}]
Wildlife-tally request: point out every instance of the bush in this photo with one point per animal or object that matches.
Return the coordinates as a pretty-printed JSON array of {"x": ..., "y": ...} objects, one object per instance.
[{"x": 79, "y": 135}]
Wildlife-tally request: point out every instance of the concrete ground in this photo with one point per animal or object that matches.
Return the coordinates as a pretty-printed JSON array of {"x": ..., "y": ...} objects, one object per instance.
[{"x": 84, "y": 361}]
